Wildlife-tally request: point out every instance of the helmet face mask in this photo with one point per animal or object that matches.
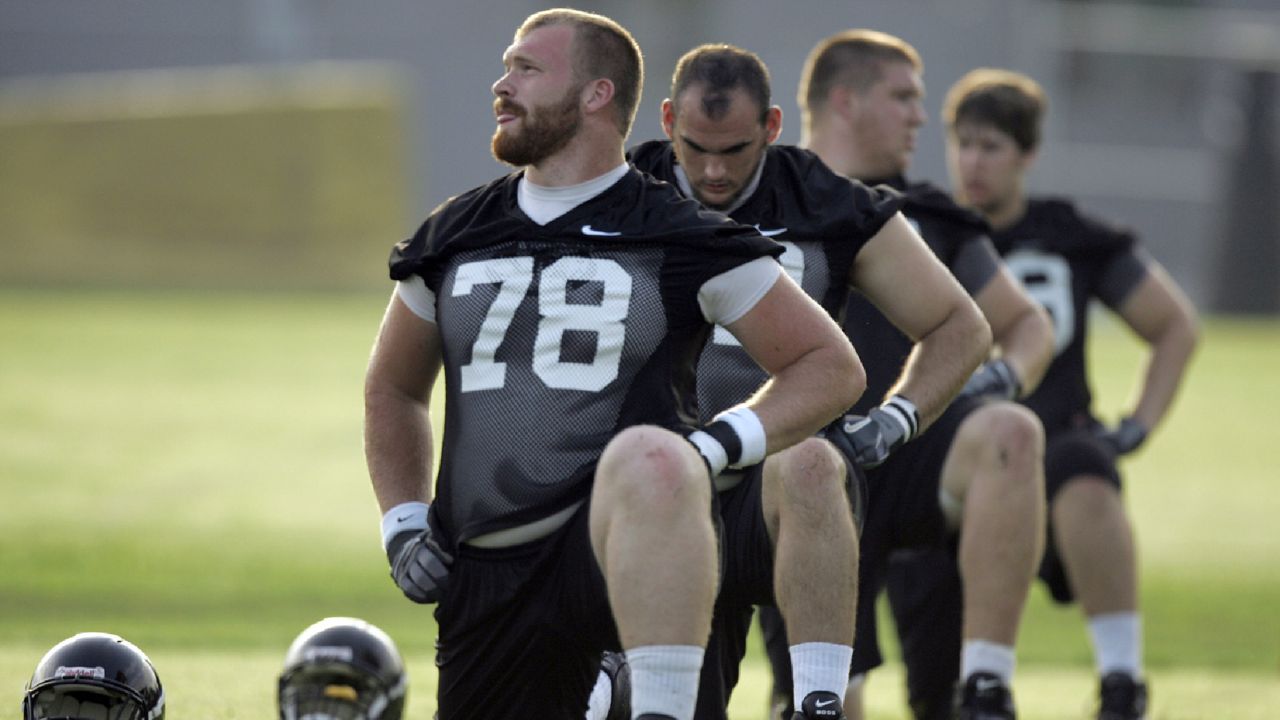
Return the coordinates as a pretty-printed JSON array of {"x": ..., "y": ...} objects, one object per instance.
[
  {"x": 94, "y": 676},
  {"x": 56, "y": 702},
  {"x": 332, "y": 692},
  {"x": 342, "y": 669}
]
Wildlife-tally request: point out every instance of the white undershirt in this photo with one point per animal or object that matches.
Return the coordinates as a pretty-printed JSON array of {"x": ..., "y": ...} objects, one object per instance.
[
  {"x": 723, "y": 299},
  {"x": 543, "y": 204}
]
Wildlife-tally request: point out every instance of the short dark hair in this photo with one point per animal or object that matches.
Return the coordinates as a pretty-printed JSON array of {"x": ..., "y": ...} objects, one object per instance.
[
  {"x": 602, "y": 49},
  {"x": 721, "y": 69},
  {"x": 1011, "y": 102},
  {"x": 851, "y": 58}
]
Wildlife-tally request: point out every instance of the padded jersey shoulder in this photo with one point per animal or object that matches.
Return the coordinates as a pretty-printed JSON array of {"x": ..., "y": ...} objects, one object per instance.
[{"x": 1056, "y": 225}]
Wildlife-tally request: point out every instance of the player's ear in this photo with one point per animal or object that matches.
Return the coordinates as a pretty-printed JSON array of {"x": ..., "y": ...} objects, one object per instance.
[
  {"x": 1029, "y": 158},
  {"x": 669, "y": 118},
  {"x": 841, "y": 99},
  {"x": 597, "y": 94},
  {"x": 773, "y": 123}
]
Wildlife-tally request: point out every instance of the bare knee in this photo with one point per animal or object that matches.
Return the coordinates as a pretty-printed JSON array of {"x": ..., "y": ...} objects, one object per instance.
[
  {"x": 805, "y": 481},
  {"x": 650, "y": 467},
  {"x": 812, "y": 471},
  {"x": 1005, "y": 433},
  {"x": 1001, "y": 442}
]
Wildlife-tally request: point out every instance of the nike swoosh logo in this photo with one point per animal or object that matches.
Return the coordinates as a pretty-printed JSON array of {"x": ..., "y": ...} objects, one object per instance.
[
  {"x": 982, "y": 684},
  {"x": 588, "y": 230},
  {"x": 402, "y": 519},
  {"x": 771, "y": 232},
  {"x": 821, "y": 704}
]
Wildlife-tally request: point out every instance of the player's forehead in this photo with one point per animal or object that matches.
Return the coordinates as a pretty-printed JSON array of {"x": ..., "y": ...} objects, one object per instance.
[
  {"x": 738, "y": 99},
  {"x": 718, "y": 113},
  {"x": 547, "y": 46},
  {"x": 900, "y": 78}
]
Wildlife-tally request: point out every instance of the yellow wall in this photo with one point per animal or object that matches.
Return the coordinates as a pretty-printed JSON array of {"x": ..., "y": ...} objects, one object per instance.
[{"x": 217, "y": 178}]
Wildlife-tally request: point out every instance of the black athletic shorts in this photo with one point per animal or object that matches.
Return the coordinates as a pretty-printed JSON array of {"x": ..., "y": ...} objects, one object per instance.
[
  {"x": 926, "y": 597},
  {"x": 522, "y": 628},
  {"x": 746, "y": 580},
  {"x": 1068, "y": 455}
]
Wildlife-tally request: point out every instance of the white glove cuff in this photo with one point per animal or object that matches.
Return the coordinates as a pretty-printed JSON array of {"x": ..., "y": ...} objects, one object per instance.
[
  {"x": 402, "y": 517},
  {"x": 746, "y": 424}
]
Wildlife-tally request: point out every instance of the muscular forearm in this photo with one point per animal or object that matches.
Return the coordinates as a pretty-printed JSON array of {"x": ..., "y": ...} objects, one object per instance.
[
  {"x": 1166, "y": 365},
  {"x": 1027, "y": 346},
  {"x": 943, "y": 360},
  {"x": 397, "y": 448},
  {"x": 802, "y": 398}
]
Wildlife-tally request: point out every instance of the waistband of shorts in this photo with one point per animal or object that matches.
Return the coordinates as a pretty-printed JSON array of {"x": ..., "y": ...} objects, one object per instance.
[{"x": 528, "y": 532}]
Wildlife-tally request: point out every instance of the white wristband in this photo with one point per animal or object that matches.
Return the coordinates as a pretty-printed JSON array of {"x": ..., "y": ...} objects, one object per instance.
[
  {"x": 905, "y": 413},
  {"x": 711, "y": 450},
  {"x": 402, "y": 517},
  {"x": 747, "y": 425}
]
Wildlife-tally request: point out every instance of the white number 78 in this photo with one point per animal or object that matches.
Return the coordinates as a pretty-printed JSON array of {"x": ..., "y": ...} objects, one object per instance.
[{"x": 556, "y": 317}]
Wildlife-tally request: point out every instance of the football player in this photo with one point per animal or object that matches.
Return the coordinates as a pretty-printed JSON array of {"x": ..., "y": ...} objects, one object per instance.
[
  {"x": 973, "y": 481},
  {"x": 837, "y": 234},
  {"x": 566, "y": 304},
  {"x": 1066, "y": 258}
]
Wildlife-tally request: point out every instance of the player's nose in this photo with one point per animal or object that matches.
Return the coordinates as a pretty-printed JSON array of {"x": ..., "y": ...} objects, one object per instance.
[
  {"x": 918, "y": 115},
  {"x": 714, "y": 169},
  {"x": 502, "y": 86}
]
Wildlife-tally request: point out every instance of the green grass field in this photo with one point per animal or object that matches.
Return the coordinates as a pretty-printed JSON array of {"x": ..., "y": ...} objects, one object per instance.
[{"x": 186, "y": 470}]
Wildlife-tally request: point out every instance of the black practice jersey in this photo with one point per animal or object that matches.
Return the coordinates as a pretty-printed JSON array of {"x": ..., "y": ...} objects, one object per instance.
[
  {"x": 557, "y": 336},
  {"x": 821, "y": 219},
  {"x": 959, "y": 238},
  {"x": 1064, "y": 259}
]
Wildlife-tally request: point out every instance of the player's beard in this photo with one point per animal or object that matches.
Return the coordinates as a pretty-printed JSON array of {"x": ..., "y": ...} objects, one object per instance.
[{"x": 544, "y": 130}]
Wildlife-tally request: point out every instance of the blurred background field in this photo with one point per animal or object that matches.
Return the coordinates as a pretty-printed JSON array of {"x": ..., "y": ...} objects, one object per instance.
[
  {"x": 196, "y": 205},
  {"x": 185, "y": 469}
]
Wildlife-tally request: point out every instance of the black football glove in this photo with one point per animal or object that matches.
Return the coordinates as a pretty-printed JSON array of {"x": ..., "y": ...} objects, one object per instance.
[
  {"x": 419, "y": 565},
  {"x": 870, "y": 439},
  {"x": 1125, "y": 437},
  {"x": 995, "y": 378}
]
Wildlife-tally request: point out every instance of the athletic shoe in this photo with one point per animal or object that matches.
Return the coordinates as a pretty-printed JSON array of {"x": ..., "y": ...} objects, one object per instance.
[
  {"x": 1123, "y": 697},
  {"x": 820, "y": 705},
  {"x": 984, "y": 696}
]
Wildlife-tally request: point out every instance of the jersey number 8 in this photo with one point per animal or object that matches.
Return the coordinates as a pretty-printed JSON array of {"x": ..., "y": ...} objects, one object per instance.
[{"x": 1047, "y": 279}]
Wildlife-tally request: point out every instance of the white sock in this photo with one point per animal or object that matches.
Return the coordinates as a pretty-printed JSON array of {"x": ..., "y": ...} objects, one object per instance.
[
  {"x": 985, "y": 656},
  {"x": 819, "y": 666},
  {"x": 1117, "y": 643},
  {"x": 664, "y": 679}
]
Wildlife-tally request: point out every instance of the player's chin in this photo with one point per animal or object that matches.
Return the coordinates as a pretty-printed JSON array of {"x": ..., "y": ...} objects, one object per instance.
[
  {"x": 716, "y": 199},
  {"x": 976, "y": 195}
]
